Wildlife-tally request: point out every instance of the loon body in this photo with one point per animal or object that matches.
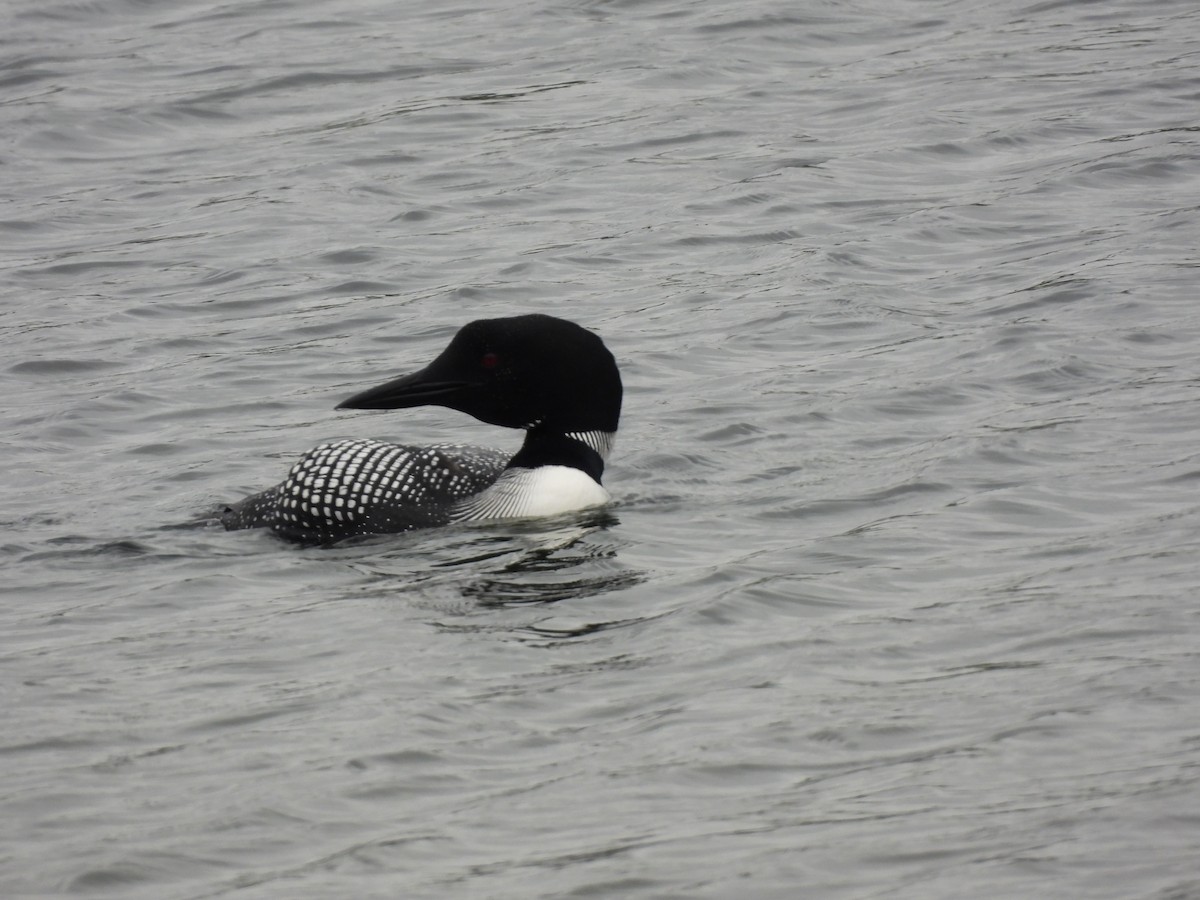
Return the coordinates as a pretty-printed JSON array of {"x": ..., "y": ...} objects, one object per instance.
[{"x": 552, "y": 378}]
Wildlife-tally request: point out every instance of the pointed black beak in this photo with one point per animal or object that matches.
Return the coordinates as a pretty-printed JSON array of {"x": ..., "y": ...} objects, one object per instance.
[{"x": 422, "y": 388}]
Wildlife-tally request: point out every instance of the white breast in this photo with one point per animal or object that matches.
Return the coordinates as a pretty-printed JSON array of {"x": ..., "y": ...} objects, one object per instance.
[{"x": 524, "y": 493}]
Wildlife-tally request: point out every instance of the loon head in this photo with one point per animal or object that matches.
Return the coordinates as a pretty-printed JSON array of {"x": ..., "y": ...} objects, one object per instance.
[{"x": 532, "y": 371}]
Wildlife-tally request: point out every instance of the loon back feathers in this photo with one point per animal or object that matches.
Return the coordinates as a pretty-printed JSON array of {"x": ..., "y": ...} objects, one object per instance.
[
  {"x": 351, "y": 487},
  {"x": 553, "y": 378}
]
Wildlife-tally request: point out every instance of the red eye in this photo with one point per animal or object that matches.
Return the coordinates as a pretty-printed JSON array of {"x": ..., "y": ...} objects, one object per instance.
[{"x": 489, "y": 360}]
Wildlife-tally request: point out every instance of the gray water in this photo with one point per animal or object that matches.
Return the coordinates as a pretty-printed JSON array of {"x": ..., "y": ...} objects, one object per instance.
[{"x": 900, "y": 594}]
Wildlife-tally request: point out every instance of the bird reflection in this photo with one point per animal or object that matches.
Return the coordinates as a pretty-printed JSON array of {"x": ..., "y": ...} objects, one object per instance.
[{"x": 535, "y": 574}]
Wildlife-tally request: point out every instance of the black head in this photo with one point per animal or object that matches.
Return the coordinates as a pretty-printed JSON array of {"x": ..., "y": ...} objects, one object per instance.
[{"x": 519, "y": 372}]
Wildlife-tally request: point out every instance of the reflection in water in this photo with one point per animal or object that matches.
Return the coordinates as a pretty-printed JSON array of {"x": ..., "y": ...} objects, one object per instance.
[
  {"x": 504, "y": 564},
  {"x": 535, "y": 574},
  {"x": 503, "y": 592},
  {"x": 583, "y": 629}
]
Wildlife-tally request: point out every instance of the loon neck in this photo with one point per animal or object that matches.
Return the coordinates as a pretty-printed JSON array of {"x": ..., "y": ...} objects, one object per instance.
[
  {"x": 600, "y": 441},
  {"x": 583, "y": 450}
]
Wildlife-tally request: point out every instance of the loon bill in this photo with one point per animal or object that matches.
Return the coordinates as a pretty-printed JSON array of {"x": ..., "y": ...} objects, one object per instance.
[{"x": 550, "y": 377}]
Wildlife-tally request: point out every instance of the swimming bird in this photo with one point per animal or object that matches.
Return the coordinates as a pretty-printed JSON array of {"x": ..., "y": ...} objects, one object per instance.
[{"x": 550, "y": 377}]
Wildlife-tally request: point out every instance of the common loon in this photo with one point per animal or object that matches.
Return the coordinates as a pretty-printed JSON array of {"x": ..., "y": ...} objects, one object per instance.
[{"x": 551, "y": 377}]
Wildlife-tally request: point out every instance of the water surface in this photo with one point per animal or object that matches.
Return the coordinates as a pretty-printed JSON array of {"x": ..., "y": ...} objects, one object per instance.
[{"x": 899, "y": 594}]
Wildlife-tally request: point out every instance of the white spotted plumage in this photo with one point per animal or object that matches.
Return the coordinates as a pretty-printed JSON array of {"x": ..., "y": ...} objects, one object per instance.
[{"x": 350, "y": 487}]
